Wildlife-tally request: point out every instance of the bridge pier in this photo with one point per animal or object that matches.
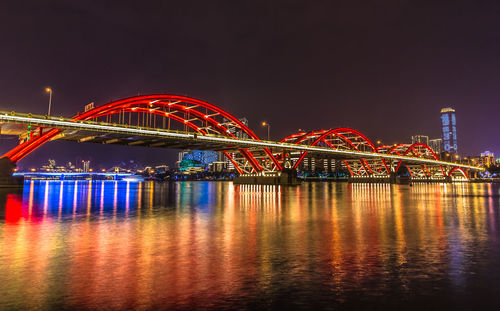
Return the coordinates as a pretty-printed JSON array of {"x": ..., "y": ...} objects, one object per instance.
[
  {"x": 372, "y": 179},
  {"x": 6, "y": 179},
  {"x": 389, "y": 179},
  {"x": 443, "y": 179},
  {"x": 286, "y": 177},
  {"x": 393, "y": 178}
]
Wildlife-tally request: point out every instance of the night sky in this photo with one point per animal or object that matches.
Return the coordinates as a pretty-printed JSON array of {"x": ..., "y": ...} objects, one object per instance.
[{"x": 385, "y": 68}]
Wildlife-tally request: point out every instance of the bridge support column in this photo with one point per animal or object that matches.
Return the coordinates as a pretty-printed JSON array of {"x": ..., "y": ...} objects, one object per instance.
[
  {"x": 6, "y": 178},
  {"x": 393, "y": 178},
  {"x": 287, "y": 177}
]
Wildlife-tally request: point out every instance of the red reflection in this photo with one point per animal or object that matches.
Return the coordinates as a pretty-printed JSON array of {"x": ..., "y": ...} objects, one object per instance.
[{"x": 13, "y": 208}]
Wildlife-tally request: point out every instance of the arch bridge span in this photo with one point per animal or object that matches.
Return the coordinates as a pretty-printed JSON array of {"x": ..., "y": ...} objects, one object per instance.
[{"x": 172, "y": 121}]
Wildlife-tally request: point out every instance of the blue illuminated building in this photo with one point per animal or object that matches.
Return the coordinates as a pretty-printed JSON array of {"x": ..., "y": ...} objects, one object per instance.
[
  {"x": 449, "y": 130},
  {"x": 197, "y": 159}
]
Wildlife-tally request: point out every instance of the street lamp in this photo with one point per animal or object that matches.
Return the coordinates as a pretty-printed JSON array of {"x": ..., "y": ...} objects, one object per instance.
[
  {"x": 49, "y": 90},
  {"x": 264, "y": 123}
]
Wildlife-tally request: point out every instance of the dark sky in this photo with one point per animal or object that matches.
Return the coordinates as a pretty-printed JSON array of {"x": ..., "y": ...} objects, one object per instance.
[{"x": 385, "y": 68}]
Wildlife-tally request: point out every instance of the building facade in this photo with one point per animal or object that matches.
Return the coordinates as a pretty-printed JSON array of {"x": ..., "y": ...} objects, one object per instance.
[
  {"x": 200, "y": 159},
  {"x": 488, "y": 158},
  {"x": 420, "y": 139},
  {"x": 436, "y": 145},
  {"x": 449, "y": 130}
]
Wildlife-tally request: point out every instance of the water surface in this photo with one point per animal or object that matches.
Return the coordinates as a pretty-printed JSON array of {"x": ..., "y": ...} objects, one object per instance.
[{"x": 215, "y": 245}]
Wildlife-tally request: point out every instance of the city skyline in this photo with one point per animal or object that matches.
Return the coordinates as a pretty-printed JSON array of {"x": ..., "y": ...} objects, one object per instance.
[
  {"x": 128, "y": 122},
  {"x": 436, "y": 144}
]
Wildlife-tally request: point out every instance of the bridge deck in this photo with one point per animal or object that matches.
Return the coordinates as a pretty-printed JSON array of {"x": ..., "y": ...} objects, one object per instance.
[{"x": 105, "y": 133}]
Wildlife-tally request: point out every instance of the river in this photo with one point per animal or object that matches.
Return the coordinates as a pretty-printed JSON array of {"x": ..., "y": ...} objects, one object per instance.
[{"x": 214, "y": 245}]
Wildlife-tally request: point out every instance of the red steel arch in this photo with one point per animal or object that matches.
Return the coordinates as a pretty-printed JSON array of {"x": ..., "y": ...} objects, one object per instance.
[
  {"x": 421, "y": 150},
  {"x": 398, "y": 149},
  {"x": 293, "y": 138},
  {"x": 465, "y": 173},
  {"x": 339, "y": 138},
  {"x": 303, "y": 137},
  {"x": 195, "y": 114}
]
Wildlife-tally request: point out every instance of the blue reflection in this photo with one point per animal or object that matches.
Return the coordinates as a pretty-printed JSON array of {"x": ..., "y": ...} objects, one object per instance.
[
  {"x": 72, "y": 199},
  {"x": 196, "y": 194},
  {"x": 76, "y": 198}
]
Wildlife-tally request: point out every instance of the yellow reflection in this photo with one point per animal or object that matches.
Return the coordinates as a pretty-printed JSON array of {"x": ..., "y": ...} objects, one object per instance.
[{"x": 89, "y": 197}]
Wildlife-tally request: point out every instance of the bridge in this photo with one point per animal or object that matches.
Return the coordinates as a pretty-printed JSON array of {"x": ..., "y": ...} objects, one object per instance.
[{"x": 172, "y": 121}]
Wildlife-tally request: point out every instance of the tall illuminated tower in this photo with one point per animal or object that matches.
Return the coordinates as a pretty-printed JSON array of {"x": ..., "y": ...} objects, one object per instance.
[{"x": 449, "y": 130}]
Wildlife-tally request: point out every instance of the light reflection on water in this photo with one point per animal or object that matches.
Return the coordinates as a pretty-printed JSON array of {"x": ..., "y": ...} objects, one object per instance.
[{"x": 116, "y": 245}]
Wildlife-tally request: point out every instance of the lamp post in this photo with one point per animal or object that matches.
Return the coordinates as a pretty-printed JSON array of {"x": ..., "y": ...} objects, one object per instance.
[
  {"x": 264, "y": 123},
  {"x": 49, "y": 90}
]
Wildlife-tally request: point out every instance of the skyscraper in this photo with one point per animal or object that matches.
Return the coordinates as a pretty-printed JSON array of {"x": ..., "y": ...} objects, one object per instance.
[{"x": 449, "y": 130}]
